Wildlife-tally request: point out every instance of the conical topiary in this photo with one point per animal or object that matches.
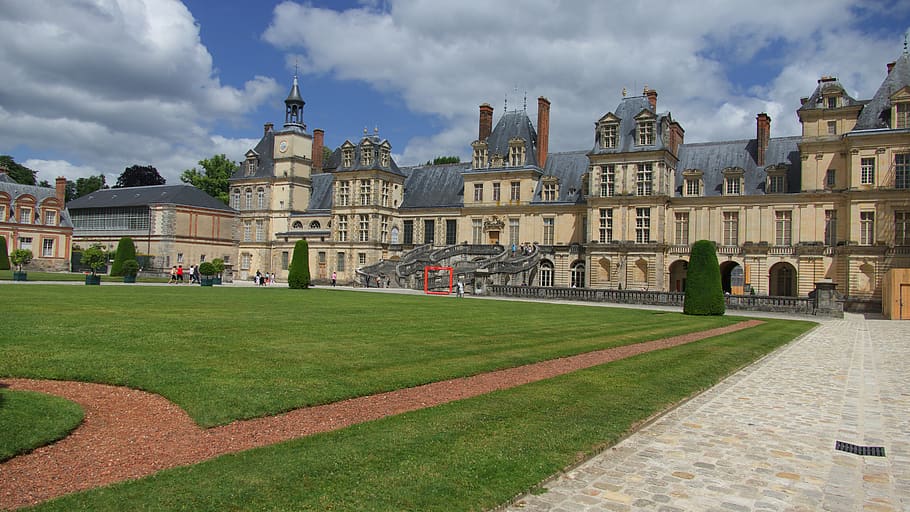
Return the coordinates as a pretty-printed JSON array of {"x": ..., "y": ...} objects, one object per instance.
[
  {"x": 704, "y": 292},
  {"x": 126, "y": 250},
  {"x": 4, "y": 255},
  {"x": 299, "y": 270}
]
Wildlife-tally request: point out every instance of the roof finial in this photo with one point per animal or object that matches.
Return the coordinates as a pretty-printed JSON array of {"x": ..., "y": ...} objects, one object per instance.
[
  {"x": 364, "y": 131},
  {"x": 525, "y": 104},
  {"x": 295, "y": 66},
  {"x": 624, "y": 92},
  {"x": 505, "y": 105},
  {"x": 907, "y": 42}
]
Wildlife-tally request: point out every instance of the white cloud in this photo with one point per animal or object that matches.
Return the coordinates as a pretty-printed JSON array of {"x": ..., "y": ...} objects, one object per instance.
[
  {"x": 446, "y": 60},
  {"x": 112, "y": 83}
]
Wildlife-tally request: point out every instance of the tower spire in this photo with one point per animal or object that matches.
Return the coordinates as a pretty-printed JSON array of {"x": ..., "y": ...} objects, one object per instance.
[{"x": 293, "y": 114}]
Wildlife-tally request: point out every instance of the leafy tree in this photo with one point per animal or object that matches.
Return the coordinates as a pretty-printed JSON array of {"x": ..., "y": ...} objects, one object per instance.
[
  {"x": 207, "y": 268},
  {"x": 4, "y": 256},
  {"x": 213, "y": 180},
  {"x": 94, "y": 258},
  {"x": 218, "y": 264},
  {"x": 45, "y": 184},
  {"x": 70, "y": 190},
  {"x": 85, "y": 186},
  {"x": 126, "y": 250},
  {"x": 299, "y": 270},
  {"x": 439, "y": 160},
  {"x": 21, "y": 257},
  {"x": 18, "y": 172},
  {"x": 704, "y": 291},
  {"x": 139, "y": 176},
  {"x": 130, "y": 268}
]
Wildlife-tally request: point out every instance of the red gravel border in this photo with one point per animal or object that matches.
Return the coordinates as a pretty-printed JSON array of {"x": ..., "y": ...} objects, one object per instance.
[{"x": 128, "y": 434}]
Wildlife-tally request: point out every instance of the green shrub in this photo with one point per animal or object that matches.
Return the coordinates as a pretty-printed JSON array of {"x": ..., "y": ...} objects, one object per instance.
[
  {"x": 218, "y": 263},
  {"x": 704, "y": 292},
  {"x": 94, "y": 258},
  {"x": 130, "y": 268},
  {"x": 21, "y": 257},
  {"x": 4, "y": 256},
  {"x": 207, "y": 268},
  {"x": 299, "y": 271},
  {"x": 126, "y": 250}
]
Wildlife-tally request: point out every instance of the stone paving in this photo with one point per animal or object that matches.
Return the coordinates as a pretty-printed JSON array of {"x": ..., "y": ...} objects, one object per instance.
[{"x": 764, "y": 439}]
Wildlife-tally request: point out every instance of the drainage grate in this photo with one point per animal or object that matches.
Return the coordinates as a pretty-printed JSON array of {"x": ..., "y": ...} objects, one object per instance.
[{"x": 871, "y": 451}]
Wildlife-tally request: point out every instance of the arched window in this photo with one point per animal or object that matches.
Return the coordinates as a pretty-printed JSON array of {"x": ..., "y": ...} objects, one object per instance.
[
  {"x": 315, "y": 225},
  {"x": 260, "y": 199},
  {"x": 249, "y": 198},
  {"x": 297, "y": 225},
  {"x": 578, "y": 275},
  {"x": 545, "y": 274},
  {"x": 395, "y": 235}
]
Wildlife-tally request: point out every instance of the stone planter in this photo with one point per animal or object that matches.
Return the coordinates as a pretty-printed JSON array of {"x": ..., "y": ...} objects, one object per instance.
[
  {"x": 206, "y": 281},
  {"x": 92, "y": 280},
  {"x": 20, "y": 276},
  {"x": 129, "y": 279}
]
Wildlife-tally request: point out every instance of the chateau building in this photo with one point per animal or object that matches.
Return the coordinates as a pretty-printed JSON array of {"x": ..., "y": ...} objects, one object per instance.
[
  {"x": 34, "y": 218},
  {"x": 785, "y": 212}
]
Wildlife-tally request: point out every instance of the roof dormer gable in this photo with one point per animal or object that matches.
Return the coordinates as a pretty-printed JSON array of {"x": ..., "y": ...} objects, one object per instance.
[
  {"x": 645, "y": 115},
  {"x": 900, "y": 95},
  {"x": 609, "y": 118},
  {"x": 251, "y": 154}
]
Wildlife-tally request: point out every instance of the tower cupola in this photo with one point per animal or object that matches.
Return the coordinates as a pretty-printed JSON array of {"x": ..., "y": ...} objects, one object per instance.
[{"x": 293, "y": 114}]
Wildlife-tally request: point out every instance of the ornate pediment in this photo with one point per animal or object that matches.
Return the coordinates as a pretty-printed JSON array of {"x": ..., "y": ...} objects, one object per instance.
[{"x": 493, "y": 223}]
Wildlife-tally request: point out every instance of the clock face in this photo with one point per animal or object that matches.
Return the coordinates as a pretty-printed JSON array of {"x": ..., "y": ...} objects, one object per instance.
[{"x": 283, "y": 146}]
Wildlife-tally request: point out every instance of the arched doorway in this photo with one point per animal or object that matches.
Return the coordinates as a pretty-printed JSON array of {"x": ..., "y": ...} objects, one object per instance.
[
  {"x": 678, "y": 271},
  {"x": 578, "y": 274},
  {"x": 545, "y": 274},
  {"x": 727, "y": 269},
  {"x": 782, "y": 280}
]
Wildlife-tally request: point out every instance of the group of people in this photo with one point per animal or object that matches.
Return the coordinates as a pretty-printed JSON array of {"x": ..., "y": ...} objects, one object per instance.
[
  {"x": 265, "y": 279},
  {"x": 178, "y": 273},
  {"x": 524, "y": 249}
]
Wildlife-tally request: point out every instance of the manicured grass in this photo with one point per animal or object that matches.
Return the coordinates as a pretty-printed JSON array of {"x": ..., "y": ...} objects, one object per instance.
[
  {"x": 469, "y": 455},
  {"x": 29, "y": 420},
  {"x": 34, "y": 275},
  {"x": 229, "y": 353}
]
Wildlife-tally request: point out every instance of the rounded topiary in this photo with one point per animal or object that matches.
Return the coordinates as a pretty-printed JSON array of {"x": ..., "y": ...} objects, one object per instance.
[
  {"x": 94, "y": 258},
  {"x": 126, "y": 250},
  {"x": 704, "y": 291},
  {"x": 299, "y": 270},
  {"x": 207, "y": 268},
  {"x": 4, "y": 256},
  {"x": 218, "y": 265},
  {"x": 130, "y": 268},
  {"x": 21, "y": 257}
]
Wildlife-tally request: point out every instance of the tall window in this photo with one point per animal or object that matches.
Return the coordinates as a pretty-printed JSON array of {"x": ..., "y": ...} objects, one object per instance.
[
  {"x": 285, "y": 260},
  {"x": 366, "y": 155},
  {"x": 516, "y": 155},
  {"x": 260, "y": 231},
  {"x": 47, "y": 248},
  {"x": 344, "y": 193},
  {"x": 347, "y": 157},
  {"x": 249, "y": 199},
  {"x": 642, "y": 225},
  {"x": 830, "y": 178},
  {"x": 902, "y": 115},
  {"x": 480, "y": 157},
  {"x": 867, "y": 171},
  {"x": 496, "y": 192},
  {"x": 25, "y": 215},
  {"x": 476, "y": 231},
  {"x": 429, "y": 231},
  {"x": 50, "y": 218},
  {"x": 478, "y": 192},
  {"x": 608, "y": 136},
  {"x": 832, "y": 127},
  {"x": 339, "y": 262},
  {"x": 682, "y": 228},
  {"x": 385, "y": 193},
  {"x": 235, "y": 202},
  {"x": 578, "y": 275},
  {"x": 608, "y": 181},
  {"x": 693, "y": 187},
  {"x": 782, "y": 227},
  {"x": 902, "y": 228},
  {"x": 549, "y": 228},
  {"x": 731, "y": 228},
  {"x": 645, "y": 175},
  {"x": 549, "y": 191},
  {"x": 866, "y": 228},
  {"x": 384, "y": 157},
  {"x": 245, "y": 260},
  {"x": 902, "y": 170},
  {"x": 646, "y": 133},
  {"x": 515, "y": 194},
  {"x": 545, "y": 275},
  {"x": 605, "y": 234},
  {"x": 260, "y": 199},
  {"x": 451, "y": 232},
  {"x": 361, "y": 258},
  {"x": 342, "y": 228},
  {"x": 513, "y": 231},
  {"x": 364, "y": 228},
  {"x": 408, "y": 227},
  {"x": 365, "y": 192},
  {"x": 831, "y": 227},
  {"x": 384, "y": 229},
  {"x": 247, "y": 231}
]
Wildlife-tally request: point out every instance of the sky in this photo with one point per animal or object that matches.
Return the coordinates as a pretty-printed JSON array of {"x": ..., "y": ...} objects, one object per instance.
[{"x": 94, "y": 86}]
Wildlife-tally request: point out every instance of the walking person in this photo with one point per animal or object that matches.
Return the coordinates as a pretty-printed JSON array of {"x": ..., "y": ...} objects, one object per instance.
[
  {"x": 179, "y": 274},
  {"x": 334, "y": 278}
]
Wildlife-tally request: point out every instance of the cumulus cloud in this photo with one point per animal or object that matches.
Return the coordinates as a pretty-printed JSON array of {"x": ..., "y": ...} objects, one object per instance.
[
  {"x": 113, "y": 83},
  {"x": 582, "y": 54}
]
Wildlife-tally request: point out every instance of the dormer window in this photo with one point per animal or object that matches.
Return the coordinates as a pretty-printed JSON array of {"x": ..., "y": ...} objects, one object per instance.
[
  {"x": 608, "y": 135},
  {"x": 516, "y": 152},
  {"x": 902, "y": 115},
  {"x": 646, "y": 133},
  {"x": 693, "y": 183},
  {"x": 831, "y": 101},
  {"x": 384, "y": 157},
  {"x": 733, "y": 181},
  {"x": 347, "y": 154},
  {"x": 496, "y": 161},
  {"x": 251, "y": 165},
  {"x": 550, "y": 189},
  {"x": 366, "y": 155},
  {"x": 480, "y": 155},
  {"x": 777, "y": 180}
]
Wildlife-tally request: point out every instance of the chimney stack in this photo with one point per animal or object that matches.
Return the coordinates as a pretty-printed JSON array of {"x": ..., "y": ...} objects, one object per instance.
[
  {"x": 318, "y": 137},
  {"x": 652, "y": 98},
  {"x": 267, "y": 128},
  {"x": 891, "y": 66},
  {"x": 486, "y": 122},
  {"x": 762, "y": 136},
  {"x": 60, "y": 184},
  {"x": 543, "y": 130}
]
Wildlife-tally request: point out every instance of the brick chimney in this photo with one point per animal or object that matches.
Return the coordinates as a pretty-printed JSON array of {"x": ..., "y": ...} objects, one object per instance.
[
  {"x": 543, "y": 130},
  {"x": 652, "y": 98},
  {"x": 677, "y": 136},
  {"x": 762, "y": 136},
  {"x": 267, "y": 128},
  {"x": 318, "y": 138},
  {"x": 891, "y": 66},
  {"x": 486, "y": 122},
  {"x": 60, "y": 184}
]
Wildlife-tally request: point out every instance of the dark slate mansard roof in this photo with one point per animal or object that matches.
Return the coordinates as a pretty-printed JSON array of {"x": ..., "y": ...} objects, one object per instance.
[
  {"x": 511, "y": 125},
  {"x": 184, "y": 195},
  {"x": 266, "y": 164},
  {"x": 626, "y": 111},
  {"x": 713, "y": 157},
  {"x": 15, "y": 189},
  {"x": 876, "y": 114}
]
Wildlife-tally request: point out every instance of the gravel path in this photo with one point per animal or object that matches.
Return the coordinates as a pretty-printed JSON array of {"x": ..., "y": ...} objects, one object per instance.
[{"x": 128, "y": 434}]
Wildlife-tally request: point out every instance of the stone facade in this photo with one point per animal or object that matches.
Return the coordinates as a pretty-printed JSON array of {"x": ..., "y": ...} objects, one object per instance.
[{"x": 34, "y": 218}]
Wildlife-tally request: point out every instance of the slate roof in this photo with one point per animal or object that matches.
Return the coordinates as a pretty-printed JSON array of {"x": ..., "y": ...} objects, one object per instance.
[
  {"x": 828, "y": 86},
  {"x": 876, "y": 113},
  {"x": 713, "y": 157},
  {"x": 266, "y": 159},
  {"x": 433, "y": 186},
  {"x": 569, "y": 168},
  {"x": 335, "y": 161},
  {"x": 321, "y": 193},
  {"x": 185, "y": 195},
  {"x": 627, "y": 110},
  {"x": 515, "y": 124},
  {"x": 14, "y": 189}
]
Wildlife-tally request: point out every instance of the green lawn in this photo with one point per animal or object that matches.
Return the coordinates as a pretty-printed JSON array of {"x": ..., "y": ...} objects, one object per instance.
[
  {"x": 229, "y": 353},
  {"x": 29, "y": 420},
  {"x": 34, "y": 275}
]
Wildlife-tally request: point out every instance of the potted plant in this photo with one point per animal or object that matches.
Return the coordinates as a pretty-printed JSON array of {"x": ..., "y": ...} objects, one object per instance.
[
  {"x": 94, "y": 258},
  {"x": 20, "y": 257},
  {"x": 207, "y": 269},
  {"x": 218, "y": 263},
  {"x": 130, "y": 269}
]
